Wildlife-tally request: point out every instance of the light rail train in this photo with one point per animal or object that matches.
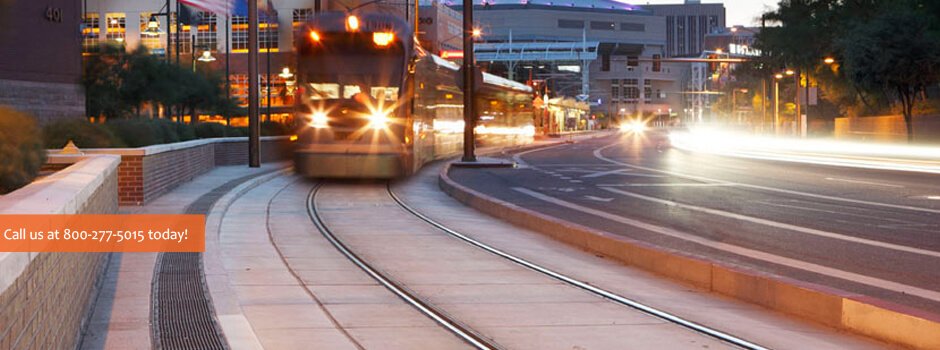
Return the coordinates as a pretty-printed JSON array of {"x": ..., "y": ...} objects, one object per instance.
[{"x": 377, "y": 105}]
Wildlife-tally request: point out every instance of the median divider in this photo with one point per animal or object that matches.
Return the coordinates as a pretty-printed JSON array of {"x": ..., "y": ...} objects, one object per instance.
[{"x": 836, "y": 308}]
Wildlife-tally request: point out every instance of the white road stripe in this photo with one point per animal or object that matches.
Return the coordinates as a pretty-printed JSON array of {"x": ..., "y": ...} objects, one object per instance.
[
  {"x": 680, "y": 184},
  {"x": 751, "y": 253},
  {"x": 598, "y": 155},
  {"x": 777, "y": 224},
  {"x": 863, "y": 182}
]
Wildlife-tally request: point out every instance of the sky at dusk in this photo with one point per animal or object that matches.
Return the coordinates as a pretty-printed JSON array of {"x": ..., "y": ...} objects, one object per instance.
[{"x": 738, "y": 12}]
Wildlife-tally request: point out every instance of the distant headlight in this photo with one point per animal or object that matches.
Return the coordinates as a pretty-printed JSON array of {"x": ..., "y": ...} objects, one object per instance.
[
  {"x": 378, "y": 120},
  {"x": 635, "y": 127},
  {"x": 319, "y": 120}
]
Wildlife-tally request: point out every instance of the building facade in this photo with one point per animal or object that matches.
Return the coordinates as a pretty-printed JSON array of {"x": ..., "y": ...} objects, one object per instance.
[
  {"x": 687, "y": 25},
  {"x": 603, "y": 52},
  {"x": 40, "y": 60}
]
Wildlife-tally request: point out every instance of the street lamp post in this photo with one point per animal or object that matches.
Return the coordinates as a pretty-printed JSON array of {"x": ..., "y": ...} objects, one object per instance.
[
  {"x": 777, "y": 101},
  {"x": 469, "y": 108}
]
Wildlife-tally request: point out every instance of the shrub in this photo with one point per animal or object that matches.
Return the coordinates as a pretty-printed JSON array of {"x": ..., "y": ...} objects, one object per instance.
[
  {"x": 186, "y": 132},
  {"x": 237, "y": 131},
  {"x": 81, "y": 132},
  {"x": 21, "y": 149},
  {"x": 136, "y": 132},
  {"x": 271, "y": 128},
  {"x": 210, "y": 130},
  {"x": 166, "y": 128}
]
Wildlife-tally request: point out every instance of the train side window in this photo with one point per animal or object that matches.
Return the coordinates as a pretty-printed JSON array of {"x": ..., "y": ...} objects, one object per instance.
[
  {"x": 390, "y": 93},
  {"x": 350, "y": 90},
  {"x": 324, "y": 91}
]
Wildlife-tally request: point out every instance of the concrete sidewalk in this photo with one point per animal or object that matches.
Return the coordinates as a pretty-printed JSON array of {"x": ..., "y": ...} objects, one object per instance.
[{"x": 122, "y": 314}]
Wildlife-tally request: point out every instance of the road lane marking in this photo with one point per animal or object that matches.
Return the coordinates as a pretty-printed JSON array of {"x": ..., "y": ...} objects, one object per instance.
[
  {"x": 621, "y": 172},
  {"x": 777, "y": 224},
  {"x": 599, "y": 199},
  {"x": 863, "y": 182},
  {"x": 679, "y": 184},
  {"x": 747, "y": 252},
  {"x": 598, "y": 155},
  {"x": 795, "y": 207}
]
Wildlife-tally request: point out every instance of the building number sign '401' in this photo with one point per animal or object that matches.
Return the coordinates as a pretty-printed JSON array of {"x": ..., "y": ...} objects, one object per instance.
[{"x": 53, "y": 14}]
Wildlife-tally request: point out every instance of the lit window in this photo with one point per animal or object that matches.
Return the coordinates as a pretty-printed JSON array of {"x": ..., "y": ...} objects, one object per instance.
[
  {"x": 324, "y": 91},
  {"x": 390, "y": 93},
  {"x": 90, "y": 32},
  {"x": 206, "y": 31},
  {"x": 301, "y": 16},
  {"x": 267, "y": 32},
  {"x": 239, "y": 34},
  {"x": 185, "y": 37},
  {"x": 116, "y": 25},
  {"x": 351, "y": 90}
]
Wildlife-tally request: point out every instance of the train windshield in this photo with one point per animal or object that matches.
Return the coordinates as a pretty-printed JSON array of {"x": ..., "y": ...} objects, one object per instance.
[{"x": 351, "y": 66}]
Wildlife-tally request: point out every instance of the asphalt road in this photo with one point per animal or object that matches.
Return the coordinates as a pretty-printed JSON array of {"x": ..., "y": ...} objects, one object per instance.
[{"x": 872, "y": 232}]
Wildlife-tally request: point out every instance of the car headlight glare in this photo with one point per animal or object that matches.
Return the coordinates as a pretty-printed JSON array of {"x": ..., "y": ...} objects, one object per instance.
[
  {"x": 378, "y": 120},
  {"x": 319, "y": 120}
]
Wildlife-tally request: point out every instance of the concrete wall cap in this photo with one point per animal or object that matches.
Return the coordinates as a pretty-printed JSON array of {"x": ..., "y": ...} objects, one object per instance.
[{"x": 168, "y": 147}]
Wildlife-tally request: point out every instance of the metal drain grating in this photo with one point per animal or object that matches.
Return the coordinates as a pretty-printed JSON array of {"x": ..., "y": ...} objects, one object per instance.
[{"x": 182, "y": 314}]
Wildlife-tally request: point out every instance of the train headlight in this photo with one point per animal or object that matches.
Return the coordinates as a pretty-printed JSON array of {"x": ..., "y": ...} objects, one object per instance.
[
  {"x": 352, "y": 23},
  {"x": 378, "y": 120},
  {"x": 383, "y": 39},
  {"x": 319, "y": 120},
  {"x": 634, "y": 126}
]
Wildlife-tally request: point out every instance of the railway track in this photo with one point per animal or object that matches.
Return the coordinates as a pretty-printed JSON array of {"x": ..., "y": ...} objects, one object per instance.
[{"x": 464, "y": 332}]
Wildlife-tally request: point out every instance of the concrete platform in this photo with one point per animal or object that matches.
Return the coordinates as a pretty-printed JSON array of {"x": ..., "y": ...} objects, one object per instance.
[{"x": 121, "y": 317}]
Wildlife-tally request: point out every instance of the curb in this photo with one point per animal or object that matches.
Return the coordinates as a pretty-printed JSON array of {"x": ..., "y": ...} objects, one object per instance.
[
  {"x": 835, "y": 308},
  {"x": 235, "y": 327}
]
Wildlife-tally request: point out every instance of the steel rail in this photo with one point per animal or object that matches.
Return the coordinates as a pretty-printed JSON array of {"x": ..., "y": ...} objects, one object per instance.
[
  {"x": 461, "y": 331},
  {"x": 697, "y": 327}
]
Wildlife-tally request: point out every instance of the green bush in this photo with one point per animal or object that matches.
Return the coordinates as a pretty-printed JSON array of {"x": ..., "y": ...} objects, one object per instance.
[
  {"x": 166, "y": 128},
  {"x": 271, "y": 128},
  {"x": 81, "y": 132},
  {"x": 136, "y": 132},
  {"x": 186, "y": 132},
  {"x": 21, "y": 149},
  {"x": 237, "y": 131},
  {"x": 209, "y": 130}
]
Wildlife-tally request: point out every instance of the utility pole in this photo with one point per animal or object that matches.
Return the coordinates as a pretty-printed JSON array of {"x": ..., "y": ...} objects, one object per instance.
[
  {"x": 469, "y": 102},
  {"x": 254, "y": 130},
  {"x": 228, "y": 58}
]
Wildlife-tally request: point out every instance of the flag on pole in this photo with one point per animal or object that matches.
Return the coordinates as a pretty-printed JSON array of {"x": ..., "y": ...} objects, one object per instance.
[
  {"x": 240, "y": 8},
  {"x": 222, "y": 7}
]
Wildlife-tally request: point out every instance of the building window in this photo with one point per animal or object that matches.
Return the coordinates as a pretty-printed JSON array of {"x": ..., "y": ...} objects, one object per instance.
[
  {"x": 570, "y": 24},
  {"x": 239, "y": 88},
  {"x": 631, "y": 91},
  {"x": 647, "y": 90},
  {"x": 615, "y": 91},
  {"x": 605, "y": 62},
  {"x": 632, "y": 27},
  {"x": 267, "y": 32},
  {"x": 206, "y": 31},
  {"x": 116, "y": 25},
  {"x": 184, "y": 37},
  {"x": 633, "y": 61},
  {"x": 90, "y": 33},
  {"x": 154, "y": 44},
  {"x": 301, "y": 16},
  {"x": 657, "y": 64},
  {"x": 239, "y": 34},
  {"x": 603, "y": 26}
]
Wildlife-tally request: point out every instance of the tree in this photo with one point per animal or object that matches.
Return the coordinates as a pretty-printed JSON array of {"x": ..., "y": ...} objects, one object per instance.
[
  {"x": 897, "y": 51},
  {"x": 102, "y": 82}
]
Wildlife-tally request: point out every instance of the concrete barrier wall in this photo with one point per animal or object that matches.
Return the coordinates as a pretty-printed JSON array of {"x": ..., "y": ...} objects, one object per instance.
[
  {"x": 46, "y": 298},
  {"x": 835, "y": 308},
  {"x": 148, "y": 172},
  {"x": 889, "y": 128}
]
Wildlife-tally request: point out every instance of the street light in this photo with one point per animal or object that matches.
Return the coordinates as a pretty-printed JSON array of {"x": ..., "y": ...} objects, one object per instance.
[
  {"x": 829, "y": 60},
  {"x": 285, "y": 73},
  {"x": 206, "y": 56},
  {"x": 777, "y": 79},
  {"x": 153, "y": 28},
  {"x": 790, "y": 72}
]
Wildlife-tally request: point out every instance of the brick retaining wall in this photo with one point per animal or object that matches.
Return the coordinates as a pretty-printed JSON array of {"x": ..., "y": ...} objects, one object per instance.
[
  {"x": 148, "y": 172},
  {"x": 46, "y": 298}
]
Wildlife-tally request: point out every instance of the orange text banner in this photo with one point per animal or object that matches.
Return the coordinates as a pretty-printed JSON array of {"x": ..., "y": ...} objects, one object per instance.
[{"x": 103, "y": 233}]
